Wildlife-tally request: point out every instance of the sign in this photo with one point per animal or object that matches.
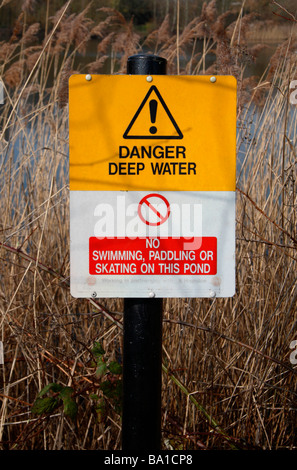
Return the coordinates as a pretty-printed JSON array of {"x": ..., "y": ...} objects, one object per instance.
[
  {"x": 150, "y": 212},
  {"x": 152, "y": 186}
]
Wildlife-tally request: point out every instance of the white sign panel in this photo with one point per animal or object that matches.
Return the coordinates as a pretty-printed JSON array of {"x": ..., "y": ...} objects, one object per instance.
[{"x": 140, "y": 244}]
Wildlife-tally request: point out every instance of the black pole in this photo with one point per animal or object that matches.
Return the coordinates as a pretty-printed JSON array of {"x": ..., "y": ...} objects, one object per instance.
[
  {"x": 141, "y": 426},
  {"x": 142, "y": 343}
]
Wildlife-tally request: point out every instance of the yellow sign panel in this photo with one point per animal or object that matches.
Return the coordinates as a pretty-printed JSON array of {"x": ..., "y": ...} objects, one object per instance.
[{"x": 173, "y": 133}]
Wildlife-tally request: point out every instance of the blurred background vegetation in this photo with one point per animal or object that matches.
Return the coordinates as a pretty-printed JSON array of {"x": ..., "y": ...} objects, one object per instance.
[{"x": 146, "y": 14}]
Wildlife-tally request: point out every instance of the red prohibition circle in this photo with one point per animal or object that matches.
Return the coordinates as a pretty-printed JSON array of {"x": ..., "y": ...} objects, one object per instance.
[{"x": 145, "y": 201}]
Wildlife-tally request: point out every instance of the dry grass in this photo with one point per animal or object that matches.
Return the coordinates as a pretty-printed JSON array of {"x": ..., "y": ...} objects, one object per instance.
[{"x": 227, "y": 378}]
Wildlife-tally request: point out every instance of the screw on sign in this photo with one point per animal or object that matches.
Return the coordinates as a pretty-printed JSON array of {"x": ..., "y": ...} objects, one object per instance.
[{"x": 154, "y": 209}]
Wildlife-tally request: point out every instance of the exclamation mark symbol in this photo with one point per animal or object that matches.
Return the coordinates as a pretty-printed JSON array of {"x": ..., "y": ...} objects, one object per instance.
[{"x": 153, "y": 113}]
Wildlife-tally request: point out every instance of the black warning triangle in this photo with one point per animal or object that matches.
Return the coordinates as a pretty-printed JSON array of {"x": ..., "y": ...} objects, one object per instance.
[{"x": 152, "y": 134}]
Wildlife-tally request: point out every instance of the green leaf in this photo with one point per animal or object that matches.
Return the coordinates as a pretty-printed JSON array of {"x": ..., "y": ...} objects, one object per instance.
[
  {"x": 101, "y": 367},
  {"x": 101, "y": 370},
  {"x": 101, "y": 410},
  {"x": 112, "y": 390},
  {"x": 119, "y": 388},
  {"x": 70, "y": 407},
  {"x": 115, "y": 368},
  {"x": 66, "y": 393},
  {"x": 50, "y": 387},
  {"x": 44, "y": 405},
  {"x": 98, "y": 350},
  {"x": 117, "y": 397},
  {"x": 107, "y": 388},
  {"x": 94, "y": 397}
]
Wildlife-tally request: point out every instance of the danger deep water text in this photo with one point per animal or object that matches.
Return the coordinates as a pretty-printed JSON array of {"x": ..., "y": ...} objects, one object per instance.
[{"x": 144, "y": 158}]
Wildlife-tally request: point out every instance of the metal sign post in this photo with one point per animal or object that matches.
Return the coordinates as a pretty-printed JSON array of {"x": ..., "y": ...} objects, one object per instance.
[{"x": 142, "y": 360}]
